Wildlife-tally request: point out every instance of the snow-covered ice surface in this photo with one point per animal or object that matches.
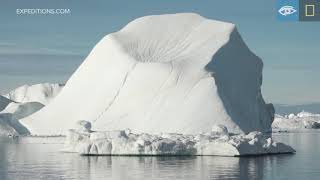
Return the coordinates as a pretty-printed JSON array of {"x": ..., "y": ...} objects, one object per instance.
[
  {"x": 42, "y": 93},
  {"x": 296, "y": 122},
  {"x": 22, "y": 102},
  {"x": 175, "y": 73},
  {"x": 217, "y": 142}
]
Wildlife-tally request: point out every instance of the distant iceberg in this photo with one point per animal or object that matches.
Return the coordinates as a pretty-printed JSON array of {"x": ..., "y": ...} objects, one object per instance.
[
  {"x": 296, "y": 122},
  {"x": 22, "y": 102},
  {"x": 42, "y": 93}
]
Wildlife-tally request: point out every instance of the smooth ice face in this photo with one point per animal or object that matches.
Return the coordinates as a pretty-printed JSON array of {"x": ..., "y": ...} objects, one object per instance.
[{"x": 166, "y": 73}]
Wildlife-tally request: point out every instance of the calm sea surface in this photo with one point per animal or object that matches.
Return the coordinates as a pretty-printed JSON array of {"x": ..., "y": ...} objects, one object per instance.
[{"x": 39, "y": 158}]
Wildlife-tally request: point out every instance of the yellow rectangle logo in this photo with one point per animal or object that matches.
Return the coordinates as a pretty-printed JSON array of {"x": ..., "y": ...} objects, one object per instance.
[{"x": 309, "y": 10}]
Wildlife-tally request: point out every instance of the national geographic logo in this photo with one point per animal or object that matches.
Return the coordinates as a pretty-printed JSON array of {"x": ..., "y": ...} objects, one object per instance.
[{"x": 298, "y": 10}]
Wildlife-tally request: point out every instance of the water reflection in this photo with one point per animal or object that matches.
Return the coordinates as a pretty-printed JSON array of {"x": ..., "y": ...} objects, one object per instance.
[
  {"x": 195, "y": 167},
  {"x": 119, "y": 167},
  {"x": 43, "y": 161}
]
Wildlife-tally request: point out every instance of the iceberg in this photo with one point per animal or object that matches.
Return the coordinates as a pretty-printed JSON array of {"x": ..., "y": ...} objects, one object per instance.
[
  {"x": 296, "y": 122},
  {"x": 6, "y": 128},
  {"x": 218, "y": 142},
  {"x": 172, "y": 73},
  {"x": 42, "y": 93},
  {"x": 4, "y": 102},
  {"x": 22, "y": 102},
  {"x": 21, "y": 110},
  {"x": 9, "y": 124}
]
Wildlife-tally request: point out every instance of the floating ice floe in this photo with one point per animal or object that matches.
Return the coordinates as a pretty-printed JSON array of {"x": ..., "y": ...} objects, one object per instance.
[
  {"x": 218, "y": 142},
  {"x": 300, "y": 121}
]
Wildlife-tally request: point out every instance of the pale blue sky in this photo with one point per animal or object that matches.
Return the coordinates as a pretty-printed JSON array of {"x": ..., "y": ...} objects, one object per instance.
[{"x": 42, "y": 48}]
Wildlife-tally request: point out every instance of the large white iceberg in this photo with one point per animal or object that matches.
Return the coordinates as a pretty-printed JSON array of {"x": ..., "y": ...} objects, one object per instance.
[
  {"x": 217, "y": 142},
  {"x": 179, "y": 73}
]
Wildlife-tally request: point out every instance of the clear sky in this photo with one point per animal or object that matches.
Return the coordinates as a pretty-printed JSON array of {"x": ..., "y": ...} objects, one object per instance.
[{"x": 48, "y": 48}]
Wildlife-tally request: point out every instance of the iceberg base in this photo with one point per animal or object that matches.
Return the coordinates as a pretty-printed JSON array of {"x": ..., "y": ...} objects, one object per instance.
[{"x": 123, "y": 142}]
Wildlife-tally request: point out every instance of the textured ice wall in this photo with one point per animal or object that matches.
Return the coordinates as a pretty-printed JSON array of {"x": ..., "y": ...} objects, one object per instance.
[{"x": 218, "y": 142}]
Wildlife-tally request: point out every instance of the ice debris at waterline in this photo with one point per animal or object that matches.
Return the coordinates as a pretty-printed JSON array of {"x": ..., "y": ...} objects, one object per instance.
[
  {"x": 178, "y": 73},
  {"x": 217, "y": 142},
  {"x": 301, "y": 121}
]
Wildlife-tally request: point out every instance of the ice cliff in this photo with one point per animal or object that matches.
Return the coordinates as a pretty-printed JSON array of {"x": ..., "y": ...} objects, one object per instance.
[{"x": 177, "y": 73}]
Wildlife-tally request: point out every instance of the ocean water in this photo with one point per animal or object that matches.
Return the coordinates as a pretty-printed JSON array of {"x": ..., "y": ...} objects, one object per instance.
[{"x": 39, "y": 158}]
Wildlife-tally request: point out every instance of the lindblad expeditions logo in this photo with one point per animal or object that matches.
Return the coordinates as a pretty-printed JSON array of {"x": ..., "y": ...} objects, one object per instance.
[{"x": 287, "y": 10}]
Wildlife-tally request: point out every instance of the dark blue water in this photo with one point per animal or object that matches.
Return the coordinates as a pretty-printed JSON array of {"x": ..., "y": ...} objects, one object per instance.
[{"x": 31, "y": 158}]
